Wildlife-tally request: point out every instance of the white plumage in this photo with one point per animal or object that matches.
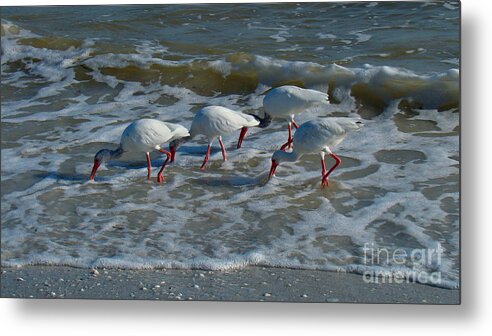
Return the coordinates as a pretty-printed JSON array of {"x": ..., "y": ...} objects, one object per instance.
[
  {"x": 286, "y": 101},
  {"x": 317, "y": 136},
  {"x": 320, "y": 134},
  {"x": 143, "y": 136},
  {"x": 214, "y": 122}
]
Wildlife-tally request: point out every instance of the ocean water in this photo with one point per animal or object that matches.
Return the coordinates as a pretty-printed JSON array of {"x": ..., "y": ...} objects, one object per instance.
[{"x": 74, "y": 77}]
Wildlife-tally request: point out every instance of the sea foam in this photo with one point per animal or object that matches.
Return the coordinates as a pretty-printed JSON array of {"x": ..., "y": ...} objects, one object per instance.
[{"x": 397, "y": 186}]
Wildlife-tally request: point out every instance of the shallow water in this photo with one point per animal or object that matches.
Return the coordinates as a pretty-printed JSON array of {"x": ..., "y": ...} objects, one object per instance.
[{"x": 74, "y": 77}]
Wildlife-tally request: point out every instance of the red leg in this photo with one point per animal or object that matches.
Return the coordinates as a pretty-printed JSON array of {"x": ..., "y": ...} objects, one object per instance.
[
  {"x": 289, "y": 141},
  {"x": 241, "y": 136},
  {"x": 206, "y": 157},
  {"x": 324, "y": 181},
  {"x": 295, "y": 124},
  {"x": 160, "y": 178},
  {"x": 224, "y": 155},
  {"x": 149, "y": 166}
]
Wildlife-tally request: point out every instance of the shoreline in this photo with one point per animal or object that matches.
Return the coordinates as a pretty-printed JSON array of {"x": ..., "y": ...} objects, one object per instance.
[{"x": 248, "y": 284}]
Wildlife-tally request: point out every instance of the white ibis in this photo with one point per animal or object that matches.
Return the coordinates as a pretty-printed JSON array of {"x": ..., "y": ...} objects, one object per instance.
[
  {"x": 215, "y": 121},
  {"x": 286, "y": 101},
  {"x": 144, "y": 135},
  {"x": 317, "y": 136}
]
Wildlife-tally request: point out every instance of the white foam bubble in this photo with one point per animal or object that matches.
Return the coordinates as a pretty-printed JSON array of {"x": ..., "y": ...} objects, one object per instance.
[{"x": 326, "y": 36}]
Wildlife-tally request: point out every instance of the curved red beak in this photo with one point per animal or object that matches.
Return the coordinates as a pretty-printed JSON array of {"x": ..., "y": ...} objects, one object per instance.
[
  {"x": 172, "y": 149},
  {"x": 94, "y": 169},
  {"x": 272, "y": 169}
]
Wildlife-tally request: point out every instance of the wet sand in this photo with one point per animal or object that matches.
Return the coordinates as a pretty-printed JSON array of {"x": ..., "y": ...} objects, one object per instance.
[{"x": 249, "y": 284}]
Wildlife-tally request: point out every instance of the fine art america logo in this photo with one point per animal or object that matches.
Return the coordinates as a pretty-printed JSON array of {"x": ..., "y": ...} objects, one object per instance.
[{"x": 424, "y": 264}]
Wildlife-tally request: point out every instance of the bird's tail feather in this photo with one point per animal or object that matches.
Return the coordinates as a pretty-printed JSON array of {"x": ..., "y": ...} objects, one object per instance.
[{"x": 264, "y": 122}]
